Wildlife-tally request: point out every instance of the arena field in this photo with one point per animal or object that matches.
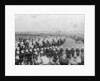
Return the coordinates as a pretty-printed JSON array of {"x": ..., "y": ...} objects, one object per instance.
[{"x": 72, "y": 43}]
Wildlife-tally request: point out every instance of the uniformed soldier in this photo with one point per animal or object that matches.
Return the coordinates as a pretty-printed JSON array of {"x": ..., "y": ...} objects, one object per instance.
[
  {"x": 41, "y": 53},
  {"x": 66, "y": 51},
  {"x": 22, "y": 56},
  {"x": 72, "y": 52},
  {"x": 35, "y": 54},
  {"x": 54, "y": 55},
  {"x": 61, "y": 49},
  {"x": 78, "y": 57},
  {"x": 17, "y": 59},
  {"x": 63, "y": 59},
  {"x": 82, "y": 55},
  {"x": 30, "y": 56},
  {"x": 38, "y": 60},
  {"x": 77, "y": 51},
  {"x": 69, "y": 52},
  {"x": 26, "y": 56}
]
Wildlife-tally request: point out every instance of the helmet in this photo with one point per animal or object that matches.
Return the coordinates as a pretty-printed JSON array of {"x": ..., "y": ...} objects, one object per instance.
[
  {"x": 26, "y": 50},
  {"x": 37, "y": 49},
  {"x": 54, "y": 49},
  {"x": 22, "y": 51},
  {"x": 17, "y": 57},
  {"x": 41, "y": 52},
  {"x": 41, "y": 48},
  {"x": 18, "y": 52},
  {"x": 34, "y": 49},
  {"x": 18, "y": 48},
  {"x": 36, "y": 53},
  {"x": 30, "y": 50}
]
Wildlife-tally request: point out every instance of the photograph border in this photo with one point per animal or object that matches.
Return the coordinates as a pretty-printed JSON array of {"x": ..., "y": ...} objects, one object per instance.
[{"x": 31, "y": 13}]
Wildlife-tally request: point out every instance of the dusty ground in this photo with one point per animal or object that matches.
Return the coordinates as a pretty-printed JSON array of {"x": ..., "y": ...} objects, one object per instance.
[{"x": 72, "y": 43}]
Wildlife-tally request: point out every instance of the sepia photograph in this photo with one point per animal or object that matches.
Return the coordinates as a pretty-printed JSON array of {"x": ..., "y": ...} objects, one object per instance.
[{"x": 49, "y": 39}]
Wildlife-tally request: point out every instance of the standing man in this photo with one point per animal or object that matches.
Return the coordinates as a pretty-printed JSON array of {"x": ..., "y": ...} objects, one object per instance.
[
  {"x": 17, "y": 62},
  {"x": 78, "y": 57},
  {"x": 82, "y": 55}
]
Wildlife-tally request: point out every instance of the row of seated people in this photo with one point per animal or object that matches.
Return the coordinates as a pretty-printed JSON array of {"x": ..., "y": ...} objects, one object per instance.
[{"x": 52, "y": 55}]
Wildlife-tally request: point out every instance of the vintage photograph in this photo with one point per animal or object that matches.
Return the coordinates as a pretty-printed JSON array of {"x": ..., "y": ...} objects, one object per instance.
[{"x": 49, "y": 39}]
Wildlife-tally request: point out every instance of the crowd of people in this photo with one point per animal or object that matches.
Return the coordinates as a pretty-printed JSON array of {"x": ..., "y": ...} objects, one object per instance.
[{"x": 46, "y": 51}]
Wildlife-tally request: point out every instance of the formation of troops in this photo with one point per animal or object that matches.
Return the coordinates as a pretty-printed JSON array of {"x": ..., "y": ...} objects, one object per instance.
[{"x": 46, "y": 51}]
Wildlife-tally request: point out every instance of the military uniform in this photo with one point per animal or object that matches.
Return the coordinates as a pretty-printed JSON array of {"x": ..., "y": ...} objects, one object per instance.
[
  {"x": 78, "y": 57},
  {"x": 82, "y": 56},
  {"x": 17, "y": 59}
]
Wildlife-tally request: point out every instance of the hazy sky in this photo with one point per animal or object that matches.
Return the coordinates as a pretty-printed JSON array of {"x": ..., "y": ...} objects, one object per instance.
[{"x": 49, "y": 22}]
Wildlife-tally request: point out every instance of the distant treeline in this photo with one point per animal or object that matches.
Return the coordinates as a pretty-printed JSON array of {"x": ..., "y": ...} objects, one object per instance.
[{"x": 40, "y": 34}]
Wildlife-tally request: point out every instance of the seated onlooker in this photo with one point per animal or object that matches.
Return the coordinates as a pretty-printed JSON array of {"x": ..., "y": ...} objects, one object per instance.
[
  {"x": 45, "y": 60},
  {"x": 64, "y": 60}
]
